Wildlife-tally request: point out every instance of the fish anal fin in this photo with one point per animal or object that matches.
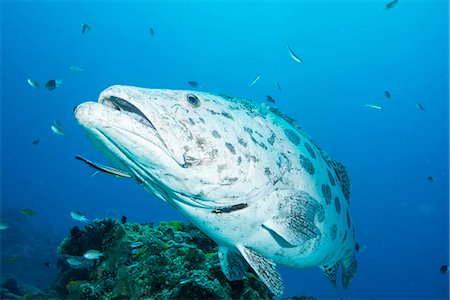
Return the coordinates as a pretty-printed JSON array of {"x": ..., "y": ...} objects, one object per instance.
[
  {"x": 349, "y": 267},
  {"x": 294, "y": 222},
  {"x": 265, "y": 269},
  {"x": 232, "y": 263},
  {"x": 330, "y": 272}
]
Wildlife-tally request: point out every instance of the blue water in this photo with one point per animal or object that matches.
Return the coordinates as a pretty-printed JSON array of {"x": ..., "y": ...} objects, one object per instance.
[{"x": 352, "y": 52}]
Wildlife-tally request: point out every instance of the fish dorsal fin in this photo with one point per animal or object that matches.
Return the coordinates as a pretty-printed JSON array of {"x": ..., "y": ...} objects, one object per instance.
[
  {"x": 265, "y": 269},
  {"x": 344, "y": 179},
  {"x": 233, "y": 265},
  {"x": 341, "y": 173},
  {"x": 295, "y": 220},
  {"x": 331, "y": 271}
]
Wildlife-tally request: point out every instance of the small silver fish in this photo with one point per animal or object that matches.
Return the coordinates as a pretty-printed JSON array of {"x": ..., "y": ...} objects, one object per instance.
[
  {"x": 33, "y": 83},
  {"x": 103, "y": 168},
  {"x": 293, "y": 55},
  {"x": 420, "y": 106},
  {"x": 278, "y": 86},
  {"x": 391, "y": 4},
  {"x": 79, "y": 262},
  {"x": 57, "y": 128},
  {"x": 79, "y": 216},
  {"x": 76, "y": 69},
  {"x": 373, "y": 106},
  {"x": 4, "y": 226},
  {"x": 93, "y": 254},
  {"x": 85, "y": 27},
  {"x": 255, "y": 80},
  {"x": 387, "y": 94}
]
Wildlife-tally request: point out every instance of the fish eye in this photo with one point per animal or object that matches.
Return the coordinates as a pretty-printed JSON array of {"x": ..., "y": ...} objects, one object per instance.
[{"x": 193, "y": 100}]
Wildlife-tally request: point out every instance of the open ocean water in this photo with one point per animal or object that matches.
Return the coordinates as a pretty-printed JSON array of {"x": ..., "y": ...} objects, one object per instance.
[{"x": 352, "y": 52}]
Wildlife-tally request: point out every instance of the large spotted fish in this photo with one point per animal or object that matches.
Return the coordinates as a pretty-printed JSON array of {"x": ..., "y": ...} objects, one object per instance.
[{"x": 243, "y": 172}]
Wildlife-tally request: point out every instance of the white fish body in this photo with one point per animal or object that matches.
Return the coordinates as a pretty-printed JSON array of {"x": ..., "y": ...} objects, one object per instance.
[
  {"x": 293, "y": 55},
  {"x": 92, "y": 254},
  {"x": 76, "y": 69},
  {"x": 4, "y": 226},
  {"x": 33, "y": 83},
  {"x": 255, "y": 80},
  {"x": 79, "y": 216},
  {"x": 244, "y": 173},
  {"x": 374, "y": 106}
]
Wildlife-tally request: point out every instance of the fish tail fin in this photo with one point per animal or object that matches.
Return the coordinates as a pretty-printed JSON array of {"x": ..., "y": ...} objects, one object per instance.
[{"x": 349, "y": 267}]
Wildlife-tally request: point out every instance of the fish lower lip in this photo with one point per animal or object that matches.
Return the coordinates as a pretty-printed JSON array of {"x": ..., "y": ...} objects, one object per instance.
[{"x": 128, "y": 108}]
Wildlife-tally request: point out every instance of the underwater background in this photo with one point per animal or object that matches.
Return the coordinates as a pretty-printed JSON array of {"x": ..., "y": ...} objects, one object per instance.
[{"x": 351, "y": 51}]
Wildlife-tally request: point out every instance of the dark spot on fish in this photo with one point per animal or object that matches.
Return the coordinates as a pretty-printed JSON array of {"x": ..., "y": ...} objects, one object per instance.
[
  {"x": 215, "y": 134},
  {"x": 357, "y": 246},
  {"x": 333, "y": 231},
  {"x": 292, "y": 136},
  {"x": 267, "y": 171},
  {"x": 443, "y": 269},
  {"x": 248, "y": 130},
  {"x": 212, "y": 112},
  {"x": 191, "y": 121},
  {"x": 326, "y": 192},
  {"x": 194, "y": 84},
  {"x": 202, "y": 120},
  {"x": 337, "y": 203},
  {"x": 227, "y": 115},
  {"x": 349, "y": 222},
  {"x": 271, "y": 140},
  {"x": 345, "y": 236},
  {"x": 239, "y": 160},
  {"x": 230, "y": 208},
  {"x": 220, "y": 168},
  {"x": 331, "y": 178},
  {"x": 307, "y": 164},
  {"x": 270, "y": 99},
  {"x": 200, "y": 142},
  {"x": 242, "y": 142},
  {"x": 36, "y": 142},
  {"x": 230, "y": 147},
  {"x": 310, "y": 150},
  {"x": 251, "y": 157}
]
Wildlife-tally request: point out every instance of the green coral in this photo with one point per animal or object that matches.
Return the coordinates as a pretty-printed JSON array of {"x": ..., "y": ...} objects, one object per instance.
[{"x": 173, "y": 260}]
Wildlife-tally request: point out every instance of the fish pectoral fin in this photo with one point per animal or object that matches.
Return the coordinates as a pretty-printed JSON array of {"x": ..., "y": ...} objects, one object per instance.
[
  {"x": 294, "y": 223},
  {"x": 265, "y": 269},
  {"x": 232, "y": 263},
  {"x": 349, "y": 266},
  {"x": 331, "y": 271}
]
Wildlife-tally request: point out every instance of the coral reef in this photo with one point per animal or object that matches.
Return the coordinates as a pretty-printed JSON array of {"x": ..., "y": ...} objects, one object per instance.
[{"x": 173, "y": 260}]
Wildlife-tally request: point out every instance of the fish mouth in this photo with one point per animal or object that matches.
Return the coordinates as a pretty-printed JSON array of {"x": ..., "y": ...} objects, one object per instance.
[{"x": 127, "y": 108}]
